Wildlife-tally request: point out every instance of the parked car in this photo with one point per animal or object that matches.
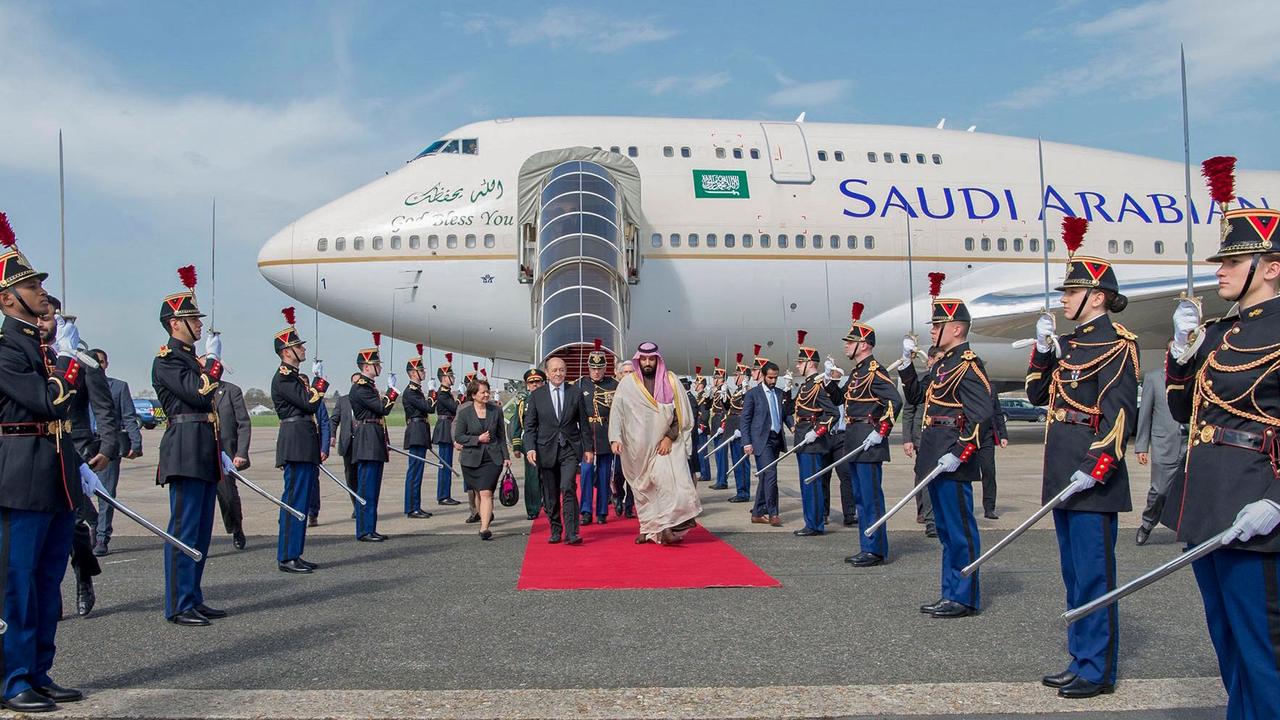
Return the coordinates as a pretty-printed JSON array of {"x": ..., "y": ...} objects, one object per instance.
[
  {"x": 1019, "y": 409},
  {"x": 149, "y": 413}
]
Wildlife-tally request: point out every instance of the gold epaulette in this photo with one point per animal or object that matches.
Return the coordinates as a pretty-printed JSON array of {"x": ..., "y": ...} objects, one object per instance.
[
  {"x": 1124, "y": 332},
  {"x": 164, "y": 351},
  {"x": 968, "y": 355},
  {"x": 285, "y": 370},
  {"x": 362, "y": 380}
]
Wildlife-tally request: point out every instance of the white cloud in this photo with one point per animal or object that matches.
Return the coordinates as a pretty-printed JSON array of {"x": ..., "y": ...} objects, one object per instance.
[
  {"x": 561, "y": 26},
  {"x": 1228, "y": 48},
  {"x": 690, "y": 85},
  {"x": 810, "y": 94}
]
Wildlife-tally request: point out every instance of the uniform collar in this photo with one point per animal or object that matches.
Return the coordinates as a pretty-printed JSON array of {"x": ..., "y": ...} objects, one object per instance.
[
  {"x": 413, "y": 385},
  {"x": 1100, "y": 326},
  {"x": 957, "y": 350},
  {"x": 1263, "y": 309},
  {"x": 176, "y": 344},
  {"x": 287, "y": 369},
  {"x": 21, "y": 328}
]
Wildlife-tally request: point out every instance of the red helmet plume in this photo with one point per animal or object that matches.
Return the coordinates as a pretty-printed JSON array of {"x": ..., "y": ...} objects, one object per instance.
[
  {"x": 697, "y": 369},
  {"x": 419, "y": 347},
  {"x": 739, "y": 358},
  {"x": 759, "y": 347},
  {"x": 1219, "y": 173},
  {"x": 856, "y": 311},
  {"x": 7, "y": 238},
  {"x": 475, "y": 365},
  {"x": 484, "y": 373},
  {"x": 1073, "y": 230},
  {"x": 377, "y": 339},
  {"x": 717, "y": 362},
  {"x": 598, "y": 345},
  {"x": 187, "y": 275},
  {"x": 448, "y": 357},
  {"x": 935, "y": 283},
  {"x": 288, "y": 314},
  {"x": 800, "y": 336}
]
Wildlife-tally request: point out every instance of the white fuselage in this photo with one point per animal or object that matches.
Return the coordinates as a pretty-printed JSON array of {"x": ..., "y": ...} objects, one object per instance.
[{"x": 447, "y": 225}]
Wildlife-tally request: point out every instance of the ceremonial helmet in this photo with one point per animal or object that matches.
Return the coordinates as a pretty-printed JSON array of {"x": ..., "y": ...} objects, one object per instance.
[
  {"x": 446, "y": 368},
  {"x": 1084, "y": 271},
  {"x": 370, "y": 356},
  {"x": 1245, "y": 231},
  {"x": 14, "y": 266},
  {"x": 287, "y": 337},
  {"x": 805, "y": 353},
  {"x": 860, "y": 331},
  {"x": 183, "y": 304},
  {"x": 533, "y": 374},
  {"x": 471, "y": 374},
  {"x": 415, "y": 363},
  {"x": 945, "y": 310},
  {"x": 597, "y": 358},
  {"x": 717, "y": 370},
  {"x": 741, "y": 369},
  {"x": 759, "y": 360}
]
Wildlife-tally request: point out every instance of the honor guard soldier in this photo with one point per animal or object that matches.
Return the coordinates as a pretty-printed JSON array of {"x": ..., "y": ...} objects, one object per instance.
[
  {"x": 446, "y": 407},
  {"x": 956, "y": 402},
  {"x": 717, "y": 400},
  {"x": 417, "y": 434},
  {"x": 533, "y": 379},
  {"x": 298, "y": 443},
  {"x": 190, "y": 462},
  {"x": 733, "y": 433},
  {"x": 700, "y": 433},
  {"x": 369, "y": 441},
  {"x": 39, "y": 484},
  {"x": 1224, "y": 380},
  {"x": 1092, "y": 396},
  {"x": 815, "y": 416},
  {"x": 871, "y": 403},
  {"x": 597, "y": 390}
]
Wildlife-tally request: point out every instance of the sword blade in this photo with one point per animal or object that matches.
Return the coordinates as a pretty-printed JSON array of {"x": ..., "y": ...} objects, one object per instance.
[
  {"x": 343, "y": 485},
  {"x": 186, "y": 549},
  {"x": 1151, "y": 576},
  {"x": 1022, "y": 527},
  {"x": 413, "y": 457},
  {"x": 903, "y": 502},
  {"x": 727, "y": 440},
  {"x": 856, "y": 451},
  {"x": 282, "y": 504},
  {"x": 710, "y": 440},
  {"x": 782, "y": 457},
  {"x": 740, "y": 461}
]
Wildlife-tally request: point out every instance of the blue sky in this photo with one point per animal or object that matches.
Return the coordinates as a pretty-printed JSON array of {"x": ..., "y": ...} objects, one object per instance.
[{"x": 276, "y": 108}]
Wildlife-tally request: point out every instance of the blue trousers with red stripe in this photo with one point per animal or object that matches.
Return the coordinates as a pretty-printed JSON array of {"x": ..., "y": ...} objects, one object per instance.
[
  {"x": 33, "y": 549},
  {"x": 958, "y": 533},
  {"x": 298, "y": 480},
  {"x": 1087, "y": 551},
  {"x": 191, "y": 505},
  {"x": 870, "y": 497}
]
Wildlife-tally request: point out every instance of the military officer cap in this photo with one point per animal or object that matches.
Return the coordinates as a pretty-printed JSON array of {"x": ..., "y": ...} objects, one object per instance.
[
  {"x": 415, "y": 363},
  {"x": 287, "y": 337},
  {"x": 1245, "y": 231},
  {"x": 370, "y": 356},
  {"x": 183, "y": 304},
  {"x": 805, "y": 353},
  {"x": 945, "y": 310},
  {"x": 597, "y": 357},
  {"x": 1084, "y": 271},
  {"x": 446, "y": 368},
  {"x": 534, "y": 375},
  {"x": 860, "y": 331},
  {"x": 14, "y": 266}
]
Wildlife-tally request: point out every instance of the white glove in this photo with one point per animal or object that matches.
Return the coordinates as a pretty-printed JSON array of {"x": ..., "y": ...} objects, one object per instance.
[
  {"x": 1256, "y": 519},
  {"x": 391, "y": 381},
  {"x": 908, "y": 348},
  {"x": 949, "y": 463},
  {"x": 810, "y": 436},
  {"x": 874, "y": 439},
  {"x": 89, "y": 481},
  {"x": 66, "y": 338},
  {"x": 227, "y": 465},
  {"x": 827, "y": 367},
  {"x": 1046, "y": 329},
  {"x": 213, "y": 345},
  {"x": 1186, "y": 318},
  {"x": 784, "y": 382},
  {"x": 736, "y": 434},
  {"x": 317, "y": 369},
  {"x": 432, "y": 386},
  {"x": 1080, "y": 481}
]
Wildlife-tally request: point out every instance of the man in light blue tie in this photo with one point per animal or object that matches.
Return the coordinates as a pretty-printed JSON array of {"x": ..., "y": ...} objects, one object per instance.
[{"x": 762, "y": 422}]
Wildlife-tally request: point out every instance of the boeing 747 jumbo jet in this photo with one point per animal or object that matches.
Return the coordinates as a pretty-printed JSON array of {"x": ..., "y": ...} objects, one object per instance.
[{"x": 519, "y": 239}]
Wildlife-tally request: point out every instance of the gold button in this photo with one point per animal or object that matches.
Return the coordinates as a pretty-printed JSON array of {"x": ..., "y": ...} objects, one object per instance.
[
  {"x": 1075, "y": 384},
  {"x": 1235, "y": 330}
]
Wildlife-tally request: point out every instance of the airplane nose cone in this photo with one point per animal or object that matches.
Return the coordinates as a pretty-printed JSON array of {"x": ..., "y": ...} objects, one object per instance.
[{"x": 275, "y": 260}]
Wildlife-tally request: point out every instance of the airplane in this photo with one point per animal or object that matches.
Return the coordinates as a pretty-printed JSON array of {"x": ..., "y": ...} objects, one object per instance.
[{"x": 519, "y": 239}]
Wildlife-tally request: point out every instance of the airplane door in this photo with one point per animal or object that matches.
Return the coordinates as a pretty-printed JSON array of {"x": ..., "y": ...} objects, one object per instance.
[{"x": 788, "y": 153}]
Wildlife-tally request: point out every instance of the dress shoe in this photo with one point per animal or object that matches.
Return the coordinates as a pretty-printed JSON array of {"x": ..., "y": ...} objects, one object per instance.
[
  {"x": 1144, "y": 534},
  {"x": 1062, "y": 679},
  {"x": 573, "y": 540},
  {"x": 353, "y": 514},
  {"x": 554, "y": 539},
  {"x": 1080, "y": 688},
  {"x": 919, "y": 518},
  {"x": 865, "y": 559},
  {"x": 473, "y": 518},
  {"x": 759, "y": 520},
  {"x": 719, "y": 487},
  {"x": 418, "y": 515},
  {"x": 642, "y": 539},
  {"x": 211, "y": 613},
  {"x": 486, "y": 535},
  {"x": 369, "y": 538},
  {"x": 990, "y": 515},
  {"x": 101, "y": 550},
  {"x": 849, "y": 523},
  {"x": 629, "y": 513},
  {"x": 293, "y": 566},
  {"x": 738, "y": 499},
  {"x": 602, "y": 519},
  {"x": 379, "y": 536},
  {"x": 775, "y": 521},
  {"x": 807, "y": 532},
  {"x": 449, "y": 501},
  {"x": 85, "y": 597},
  {"x": 305, "y": 563},
  {"x": 931, "y": 609},
  {"x": 29, "y": 701},
  {"x": 59, "y": 694},
  {"x": 953, "y": 609},
  {"x": 584, "y": 519},
  {"x": 931, "y": 530},
  {"x": 237, "y": 539},
  {"x": 532, "y": 516},
  {"x": 190, "y": 617},
  {"x": 313, "y": 521}
]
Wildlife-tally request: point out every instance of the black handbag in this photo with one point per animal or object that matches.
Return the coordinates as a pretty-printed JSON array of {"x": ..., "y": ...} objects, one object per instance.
[{"x": 508, "y": 490}]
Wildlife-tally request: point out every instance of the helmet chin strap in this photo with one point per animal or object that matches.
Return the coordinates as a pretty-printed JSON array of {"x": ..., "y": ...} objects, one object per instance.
[
  {"x": 1248, "y": 281},
  {"x": 190, "y": 332},
  {"x": 1080, "y": 308}
]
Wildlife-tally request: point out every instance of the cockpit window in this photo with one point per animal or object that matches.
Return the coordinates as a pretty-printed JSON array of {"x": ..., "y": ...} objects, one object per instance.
[
  {"x": 471, "y": 147},
  {"x": 467, "y": 146},
  {"x": 450, "y": 146}
]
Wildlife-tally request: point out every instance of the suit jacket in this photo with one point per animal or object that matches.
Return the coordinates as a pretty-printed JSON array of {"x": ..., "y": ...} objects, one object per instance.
[
  {"x": 755, "y": 420},
  {"x": 130, "y": 428},
  {"x": 995, "y": 429},
  {"x": 547, "y": 432},
  {"x": 1158, "y": 433},
  {"x": 468, "y": 426},
  {"x": 340, "y": 422},
  {"x": 95, "y": 424},
  {"x": 326, "y": 430},
  {"x": 234, "y": 427}
]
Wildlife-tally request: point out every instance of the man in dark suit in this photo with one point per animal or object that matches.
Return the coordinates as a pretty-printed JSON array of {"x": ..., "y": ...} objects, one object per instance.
[
  {"x": 762, "y": 421},
  {"x": 556, "y": 423},
  {"x": 130, "y": 444},
  {"x": 994, "y": 433},
  {"x": 234, "y": 432},
  {"x": 341, "y": 424},
  {"x": 1161, "y": 442}
]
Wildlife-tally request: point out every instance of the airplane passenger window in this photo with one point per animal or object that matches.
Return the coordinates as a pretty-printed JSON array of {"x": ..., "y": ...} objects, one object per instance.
[
  {"x": 869, "y": 242},
  {"x": 782, "y": 241},
  {"x": 1051, "y": 244},
  {"x": 667, "y": 151},
  {"x": 451, "y": 241},
  {"x": 1113, "y": 247},
  {"x": 851, "y": 242},
  {"x": 838, "y": 155},
  {"x": 415, "y": 242},
  {"x": 395, "y": 242},
  {"x": 1128, "y": 247},
  {"x": 322, "y": 245},
  {"x": 684, "y": 152},
  {"x": 357, "y": 243},
  {"x": 1159, "y": 247},
  {"x": 888, "y": 157},
  {"x": 450, "y": 147},
  {"x": 377, "y": 242},
  {"x": 937, "y": 159},
  {"x": 1002, "y": 244},
  {"x": 615, "y": 149},
  {"x": 904, "y": 157},
  {"x": 729, "y": 240},
  {"x": 340, "y": 244},
  {"x": 470, "y": 241},
  {"x": 675, "y": 240},
  {"x": 817, "y": 242},
  {"x": 968, "y": 243},
  {"x": 433, "y": 242},
  {"x": 711, "y": 239},
  {"x": 633, "y": 151},
  {"x": 920, "y": 158},
  {"x": 800, "y": 242},
  {"x": 656, "y": 240},
  {"x": 1033, "y": 244},
  {"x": 755, "y": 154},
  {"x": 1017, "y": 244},
  {"x": 490, "y": 240},
  {"x": 693, "y": 239},
  {"x": 737, "y": 153},
  {"x": 822, "y": 156},
  {"x": 764, "y": 240},
  {"x": 985, "y": 244},
  {"x": 746, "y": 240},
  {"x": 471, "y": 147},
  {"x": 871, "y": 157},
  {"x": 720, "y": 153}
]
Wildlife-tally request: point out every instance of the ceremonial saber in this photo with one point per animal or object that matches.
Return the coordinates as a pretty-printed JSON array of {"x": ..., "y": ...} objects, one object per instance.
[
  {"x": 413, "y": 457},
  {"x": 186, "y": 549},
  {"x": 1138, "y": 583},
  {"x": 342, "y": 485},
  {"x": 1028, "y": 342},
  {"x": 710, "y": 440},
  {"x": 298, "y": 514},
  {"x": 736, "y": 434},
  {"x": 903, "y": 502},
  {"x": 865, "y": 444},
  {"x": 1023, "y": 527},
  {"x": 735, "y": 465},
  {"x": 783, "y": 456}
]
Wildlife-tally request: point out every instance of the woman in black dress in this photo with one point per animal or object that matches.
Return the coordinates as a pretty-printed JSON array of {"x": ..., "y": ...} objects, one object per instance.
[{"x": 479, "y": 428}]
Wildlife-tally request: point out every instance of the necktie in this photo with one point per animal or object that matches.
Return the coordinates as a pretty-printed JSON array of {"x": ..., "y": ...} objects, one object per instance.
[
  {"x": 773, "y": 410},
  {"x": 556, "y": 397}
]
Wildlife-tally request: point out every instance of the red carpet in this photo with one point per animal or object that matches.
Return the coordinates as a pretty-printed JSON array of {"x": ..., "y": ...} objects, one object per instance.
[{"x": 609, "y": 559}]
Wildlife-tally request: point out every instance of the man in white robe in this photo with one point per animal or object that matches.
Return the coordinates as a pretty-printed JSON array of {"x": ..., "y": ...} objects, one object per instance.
[{"x": 649, "y": 430}]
